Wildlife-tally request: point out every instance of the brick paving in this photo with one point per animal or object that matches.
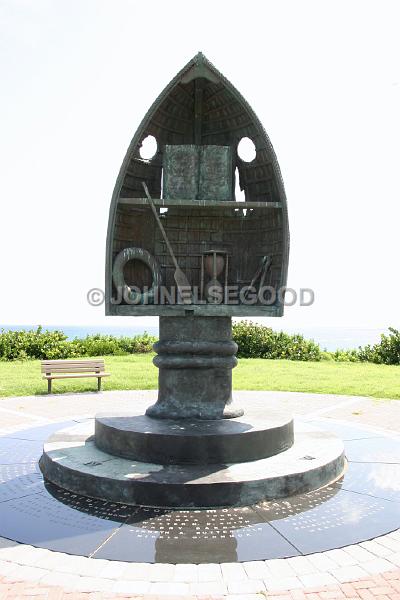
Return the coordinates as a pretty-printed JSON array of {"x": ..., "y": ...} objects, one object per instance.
[
  {"x": 369, "y": 570},
  {"x": 380, "y": 587}
]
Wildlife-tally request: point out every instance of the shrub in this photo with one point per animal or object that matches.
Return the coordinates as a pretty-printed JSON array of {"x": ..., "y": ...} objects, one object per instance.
[
  {"x": 387, "y": 352},
  {"x": 138, "y": 343},
  {"x": 254, "y": 341},
  {"x": 103, "y": 345},
  {"x": 96, "y": 345},
  {"x": 325, "y": 355},
  {"x": 345, "y": 355},
  {"x": 52, "y": 345},
  {"x": 257, "y": 341},
  {"x": 33, "y": 344}
]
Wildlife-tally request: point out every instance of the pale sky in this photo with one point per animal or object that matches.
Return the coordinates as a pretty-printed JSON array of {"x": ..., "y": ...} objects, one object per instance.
[{"x": 77, "y": 76}]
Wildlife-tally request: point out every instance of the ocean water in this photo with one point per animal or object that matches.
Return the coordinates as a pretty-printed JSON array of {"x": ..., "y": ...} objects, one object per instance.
[{"x": 329, "y": 338}]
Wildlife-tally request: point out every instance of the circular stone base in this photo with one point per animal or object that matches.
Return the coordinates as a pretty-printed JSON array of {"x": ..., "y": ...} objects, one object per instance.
[
  {"x": 168, "y": 441},
  {"x": 360, "y": 506},
  {"x": 72, "y": 461}
]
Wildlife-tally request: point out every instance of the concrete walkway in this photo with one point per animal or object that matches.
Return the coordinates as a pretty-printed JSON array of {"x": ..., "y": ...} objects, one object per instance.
[{"x": 367, "y": 570}]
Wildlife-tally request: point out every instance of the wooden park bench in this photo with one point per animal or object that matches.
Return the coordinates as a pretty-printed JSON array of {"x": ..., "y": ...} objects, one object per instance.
[{"x": 71, "y": 369}]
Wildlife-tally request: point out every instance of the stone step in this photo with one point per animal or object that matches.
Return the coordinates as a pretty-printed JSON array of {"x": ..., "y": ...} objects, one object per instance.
[
  {"x": 190, "y": 441},
  {"x": 72, "y": 461}
]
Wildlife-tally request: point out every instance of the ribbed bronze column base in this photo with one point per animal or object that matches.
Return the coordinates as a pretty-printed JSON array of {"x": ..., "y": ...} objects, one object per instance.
[{"x": 195, "y": 356}]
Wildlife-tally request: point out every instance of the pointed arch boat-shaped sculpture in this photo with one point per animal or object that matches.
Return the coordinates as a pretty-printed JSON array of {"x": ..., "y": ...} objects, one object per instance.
[
  {"x": 194, "y": 447},
  {"x": 201, "y": 112}
]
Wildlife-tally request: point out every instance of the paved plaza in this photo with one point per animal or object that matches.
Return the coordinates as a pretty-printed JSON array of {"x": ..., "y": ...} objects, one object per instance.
[{"x": 366, "y": 570}]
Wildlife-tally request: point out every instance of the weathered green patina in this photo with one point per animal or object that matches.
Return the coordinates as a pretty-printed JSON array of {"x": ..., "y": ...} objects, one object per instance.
[
  {"x": 197, "y": 235},
  {"x": 198, "y": 122}
]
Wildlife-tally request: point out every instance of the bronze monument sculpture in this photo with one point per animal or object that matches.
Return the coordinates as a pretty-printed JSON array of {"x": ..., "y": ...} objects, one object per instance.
[
  {"x": 181, "y": 246},
  {"x": 198, "y": 122}
]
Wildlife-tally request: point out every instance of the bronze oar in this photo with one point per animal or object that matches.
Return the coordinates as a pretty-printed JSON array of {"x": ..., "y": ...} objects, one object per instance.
[
  {"x": 262, "y": 270},
  {"x": 184, "y": 288}
]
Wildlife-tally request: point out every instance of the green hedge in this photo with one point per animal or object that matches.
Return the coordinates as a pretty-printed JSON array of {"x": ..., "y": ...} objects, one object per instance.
[
  {"x": 257, "y": 341},
  {"x": 254, "y": 341},
  {"x": 387, "y": 352},
  {"x": 53, "y": 345}
]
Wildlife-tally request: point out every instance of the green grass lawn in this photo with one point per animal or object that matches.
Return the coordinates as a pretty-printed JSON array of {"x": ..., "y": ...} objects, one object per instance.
[{"x": 137, "y": 372}]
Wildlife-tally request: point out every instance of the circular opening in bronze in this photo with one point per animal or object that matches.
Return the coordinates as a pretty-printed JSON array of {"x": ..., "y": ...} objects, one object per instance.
[
  {"x": 148, "y": 149},
  {"x": 246, "y": 149}
]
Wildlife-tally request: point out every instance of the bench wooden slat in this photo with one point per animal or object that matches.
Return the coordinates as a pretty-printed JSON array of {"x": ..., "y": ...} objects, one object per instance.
[
  {"x": 74, "y": 375},
  {"x": 71, "y": 363},
  {"x": 49, "y": 366},
  {"x": 71, "y": 369}
]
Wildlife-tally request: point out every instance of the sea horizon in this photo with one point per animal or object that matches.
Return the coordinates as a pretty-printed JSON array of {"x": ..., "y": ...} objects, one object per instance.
[{"x": 328, "y": 337}]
